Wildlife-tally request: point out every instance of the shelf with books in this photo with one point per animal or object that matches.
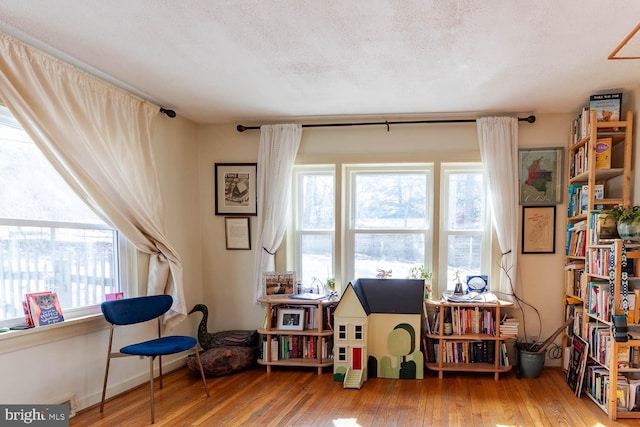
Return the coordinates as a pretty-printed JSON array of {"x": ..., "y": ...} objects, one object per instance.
[
  {"x": 612, "y": 272},
  {"x": 465, "y": 337},
  {"x": 598, "y": 177},
  {"x": 297, "y": 332}
]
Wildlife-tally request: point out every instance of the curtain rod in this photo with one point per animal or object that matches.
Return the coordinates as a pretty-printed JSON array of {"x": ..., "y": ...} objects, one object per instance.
[{"x": 529, "y": 119}]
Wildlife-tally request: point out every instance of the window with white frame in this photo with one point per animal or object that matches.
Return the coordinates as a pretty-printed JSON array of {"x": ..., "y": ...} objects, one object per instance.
[
  {"x": 389, "y": 218},
  {"x": 49, "y": 239},
  {"x": 465, "y": 226},
  {"x": 342, "y": 332},
  {"x": 342, "y": 354},
  {"x": 314, "y": 201},
  {"x": 359, "y": 332}
]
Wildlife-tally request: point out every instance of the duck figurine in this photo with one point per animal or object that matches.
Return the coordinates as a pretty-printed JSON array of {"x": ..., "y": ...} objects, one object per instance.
[{"x": 209, "y": 340}]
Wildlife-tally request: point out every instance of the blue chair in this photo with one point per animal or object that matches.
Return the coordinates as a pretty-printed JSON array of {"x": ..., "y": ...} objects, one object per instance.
[{"x": 130, "y": 311}]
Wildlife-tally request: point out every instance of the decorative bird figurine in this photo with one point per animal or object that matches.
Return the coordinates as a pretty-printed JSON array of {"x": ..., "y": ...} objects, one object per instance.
[{"x": 209, "y": 340}]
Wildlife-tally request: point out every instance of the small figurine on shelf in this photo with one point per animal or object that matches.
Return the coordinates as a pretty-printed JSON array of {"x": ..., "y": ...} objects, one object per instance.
[
  {"x": 458, "y": 289},
  {"x": 383, "y": 274}
]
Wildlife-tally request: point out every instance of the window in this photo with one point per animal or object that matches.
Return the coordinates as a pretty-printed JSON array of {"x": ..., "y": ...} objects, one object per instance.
[
  {"x": 386, "y": 213},
  {"x": 342, "y": 332},
  {"x": 358, "y": 332},
  {"x": 465, "y": 226},
  {"x": 49, "y": 239},
  {"x": 342, "y": 354},
  {"x": 314, "y": 195},
  {"x": 389, "y": 219}
]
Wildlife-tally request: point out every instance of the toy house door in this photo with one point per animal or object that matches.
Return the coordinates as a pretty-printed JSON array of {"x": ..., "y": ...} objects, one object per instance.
[{"x": 356, "y": 358}]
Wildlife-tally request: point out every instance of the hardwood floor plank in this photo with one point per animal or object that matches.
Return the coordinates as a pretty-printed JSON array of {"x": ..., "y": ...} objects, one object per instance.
[{"x": 299, "y": 397}]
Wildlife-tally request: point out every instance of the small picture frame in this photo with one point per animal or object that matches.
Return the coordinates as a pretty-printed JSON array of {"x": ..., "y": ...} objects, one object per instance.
[
  {"x": 291, "y": 319},
  {"x": 540, "y": 171},
  {"x": 538, "y": 229},
  {"x": 237, "y": 233},
  {"x": 235, "y": 188},
  {"x": 278, "y": 283}
]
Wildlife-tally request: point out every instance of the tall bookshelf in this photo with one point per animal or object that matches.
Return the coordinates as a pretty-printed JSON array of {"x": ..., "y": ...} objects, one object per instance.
[
  {"x": 592, "y": 185},
  {"x": 593, "y": 265}
]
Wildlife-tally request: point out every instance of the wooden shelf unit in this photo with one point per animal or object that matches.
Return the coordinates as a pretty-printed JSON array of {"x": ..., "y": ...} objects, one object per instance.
[
  {"x": 270, "y": 330},
  {"x": 611, "y": 407},
  {"x": 441, "y": 366},
  {"x": 620, "y": 175}
]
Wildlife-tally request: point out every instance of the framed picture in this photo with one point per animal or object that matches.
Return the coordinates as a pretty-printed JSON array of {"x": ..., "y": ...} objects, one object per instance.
[
  {"x": 541, "y": 173},
  {"x": 278, "y": 283},
  {"x": 538, "y": 229},
  {"x": 237, "y": 233},
  {"x": 291, "y": 319},
  {"x": 235, "y": 188}
]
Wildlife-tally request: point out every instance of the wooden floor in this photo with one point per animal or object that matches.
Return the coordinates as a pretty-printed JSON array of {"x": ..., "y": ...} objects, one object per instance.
[{"x": 299, "y": 397}]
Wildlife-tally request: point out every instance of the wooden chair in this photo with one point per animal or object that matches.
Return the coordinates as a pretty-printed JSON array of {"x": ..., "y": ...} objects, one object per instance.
[{"x": 130, "y": 311}]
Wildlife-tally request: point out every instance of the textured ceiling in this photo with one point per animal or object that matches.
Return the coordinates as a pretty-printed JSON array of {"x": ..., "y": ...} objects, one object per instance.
[{"x": 216, "y": 61}]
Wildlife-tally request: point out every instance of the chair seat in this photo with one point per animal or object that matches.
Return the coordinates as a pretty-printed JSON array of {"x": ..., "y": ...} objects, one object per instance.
[{"x": 160, "y": 346}]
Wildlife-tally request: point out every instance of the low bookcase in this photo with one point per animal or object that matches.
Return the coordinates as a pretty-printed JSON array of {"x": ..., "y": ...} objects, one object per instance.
[
  {"x": 309, "y": 345},
  {"x": 468, "y": 347}
]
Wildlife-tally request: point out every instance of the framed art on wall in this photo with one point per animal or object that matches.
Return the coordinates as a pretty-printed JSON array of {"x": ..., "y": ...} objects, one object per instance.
[
  {"x": 235, "y": 188},
  {"x": 538, "y": 229},
  {"x": 237, "y": 233},
  {"x": 540, "y": 171}
]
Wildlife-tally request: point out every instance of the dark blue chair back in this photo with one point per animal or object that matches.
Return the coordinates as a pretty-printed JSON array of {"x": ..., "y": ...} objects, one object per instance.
[{"x": 135, "y": 310}]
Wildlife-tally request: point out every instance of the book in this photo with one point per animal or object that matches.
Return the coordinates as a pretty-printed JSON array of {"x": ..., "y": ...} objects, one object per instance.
[
  {"x": 598, "y": 194},
  {"x": 608, "y": 108},
  {"x": 114, "y": 296},
  {"x": 603, "y": 153},
  {"x": 45, "y": 309},
  {"x": 577, "y": 364},
  {"x": 26, "y": 306}
]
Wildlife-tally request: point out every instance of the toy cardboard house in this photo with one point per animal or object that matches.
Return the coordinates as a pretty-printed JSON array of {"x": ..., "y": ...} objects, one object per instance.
[{"x": 377, "y": 326}]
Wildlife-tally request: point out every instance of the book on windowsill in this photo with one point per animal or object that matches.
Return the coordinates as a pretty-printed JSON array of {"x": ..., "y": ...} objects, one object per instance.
[
  {"x": 26, "y": 306},
  {"x": 45, "y": 309}
]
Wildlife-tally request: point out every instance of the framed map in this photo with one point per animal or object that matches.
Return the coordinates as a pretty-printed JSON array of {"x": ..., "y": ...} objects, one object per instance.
[{"x": 540, "y": 172}]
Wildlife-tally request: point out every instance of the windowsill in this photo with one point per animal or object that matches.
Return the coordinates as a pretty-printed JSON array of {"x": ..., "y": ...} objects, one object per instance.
[{"x": 18, "y": 340}]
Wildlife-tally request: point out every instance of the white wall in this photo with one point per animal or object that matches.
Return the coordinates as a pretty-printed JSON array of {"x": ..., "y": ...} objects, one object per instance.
[
  {"x": 45, "y": 373},
  {"x": 228, "y": 274}
]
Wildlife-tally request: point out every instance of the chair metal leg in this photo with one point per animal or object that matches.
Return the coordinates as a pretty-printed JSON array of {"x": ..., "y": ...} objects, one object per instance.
[
  {"x": 153, "y": 418},
  {"x": 206, "y": 388},
  {"x": 106, "y": 370}
]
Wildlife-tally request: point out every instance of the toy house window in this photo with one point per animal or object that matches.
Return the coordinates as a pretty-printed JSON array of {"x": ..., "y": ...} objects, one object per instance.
[
  {"x": 358, "y": 332},
  {"x": 342, "y": 332},
  {"x": 342, "y": 354}
]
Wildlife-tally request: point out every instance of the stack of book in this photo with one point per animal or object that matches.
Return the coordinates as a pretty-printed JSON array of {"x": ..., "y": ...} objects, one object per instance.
[
  {"x": 42, "y": 308},
  {"x": 509, "y": 328}
]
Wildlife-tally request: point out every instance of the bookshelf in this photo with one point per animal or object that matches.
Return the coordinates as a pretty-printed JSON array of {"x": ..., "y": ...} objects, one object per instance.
[
  {"x": 472, "y": 346},
  {"x": 608, "y": 358},
  {"x": 311, "y": 346},
  {"x": 598, "y": 177}
]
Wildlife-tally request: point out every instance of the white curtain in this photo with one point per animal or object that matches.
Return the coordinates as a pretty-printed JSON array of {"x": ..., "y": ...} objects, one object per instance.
[
  {"x": 98, "y": 137},
  {"x": 498, "y": 137},
  {"x": 278, "y": 148}
]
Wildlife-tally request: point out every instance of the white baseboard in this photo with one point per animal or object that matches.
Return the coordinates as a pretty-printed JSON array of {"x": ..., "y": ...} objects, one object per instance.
[{"x": 124, "y": 386}]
